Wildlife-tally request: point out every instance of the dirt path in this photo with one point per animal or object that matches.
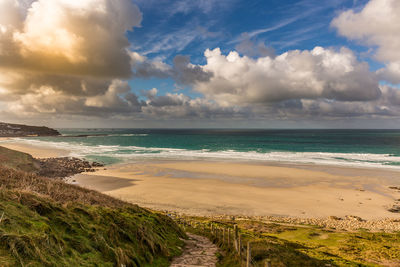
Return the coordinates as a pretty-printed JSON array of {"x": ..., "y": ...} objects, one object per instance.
[{"x": 198, "y": 251}]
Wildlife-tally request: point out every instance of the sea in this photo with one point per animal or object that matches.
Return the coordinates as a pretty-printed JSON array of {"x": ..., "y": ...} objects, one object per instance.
[{"x": 355, "y": 148}]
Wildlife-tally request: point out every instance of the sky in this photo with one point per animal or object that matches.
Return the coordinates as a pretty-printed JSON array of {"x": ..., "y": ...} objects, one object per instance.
[{"x": 200, "y": 63}]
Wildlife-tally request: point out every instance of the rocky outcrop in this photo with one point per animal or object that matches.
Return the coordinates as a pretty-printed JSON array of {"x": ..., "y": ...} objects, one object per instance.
[
  {"x": 19, "y": 130},
  {"x": 65, "y": 167},
  {"x": 48, "y": 167}
]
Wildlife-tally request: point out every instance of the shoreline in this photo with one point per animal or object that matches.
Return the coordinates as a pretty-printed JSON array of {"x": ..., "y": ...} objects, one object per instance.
[
  {"x": 182, "y": 188},
  {"x": 233, "y": 188},
  {"x": 34, "y": 150},
  {"x": 42, "y": 151}
]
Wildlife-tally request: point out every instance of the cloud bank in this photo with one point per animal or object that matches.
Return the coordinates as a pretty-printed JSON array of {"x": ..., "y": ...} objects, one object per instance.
[
  {"x": 72, "y": 58},
  {"x": 66, "y": 56},
  {"x": 67, "y": 36},
  {"x": 316, "y": 74}
]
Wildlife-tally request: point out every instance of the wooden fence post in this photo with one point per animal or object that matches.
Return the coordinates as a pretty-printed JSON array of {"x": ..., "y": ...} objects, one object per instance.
[
  {"x": 240, "y": 246},
  {"x": 229, "y": 237},
  {"x": 223, "y": 235},
  {"x": 248, "y": 258},
  {"x": 235, "y": 237}
]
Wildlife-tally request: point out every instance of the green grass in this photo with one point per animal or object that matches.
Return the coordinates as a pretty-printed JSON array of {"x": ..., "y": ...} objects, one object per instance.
[
  {"x": 362, "y": 247},
  {"x": 306, "y": 245},
  {"x": 17, "y": 160},
  {"x": 37, "y": 231},
  {"x": 49, "y": 223}
]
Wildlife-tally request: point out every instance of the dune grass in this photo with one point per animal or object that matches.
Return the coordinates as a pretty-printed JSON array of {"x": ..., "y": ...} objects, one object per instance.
[
  {"x": 17, "y": 160},
  {"x": 55, "y": 189},
  {"x": 49, "y": 223}
]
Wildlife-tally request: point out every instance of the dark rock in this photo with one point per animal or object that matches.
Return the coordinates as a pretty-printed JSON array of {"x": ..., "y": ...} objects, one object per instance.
[
  {"x": 97, "y": 164},
  {"x": 63, "y": 167},
  {"x": 395, "y": 209}
]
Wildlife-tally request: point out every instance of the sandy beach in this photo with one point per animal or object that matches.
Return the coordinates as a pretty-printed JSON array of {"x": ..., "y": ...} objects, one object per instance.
[
  {"x": 243, "y": 188},
  {"x": 221, "y": 188},
  {"x": 35, "y": 151}
]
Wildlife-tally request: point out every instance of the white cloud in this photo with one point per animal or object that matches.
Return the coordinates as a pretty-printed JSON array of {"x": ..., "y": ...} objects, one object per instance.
[
  {"x": 377, "y": 25},
  {"x": 116, "y": 97},
  {"x": 181, "y": 106},
  {"x": 66, "y": 56},
  {"x": 391, "y": 73},
  {"x": 67, "y": 37},
  {"x": 144, "y": 68},
  {"x": 314, "y": 74},
  {"x": 117, "y": 100},
  {"x": 171, "y": 8},
  {"x": 251, "y": 49},
  {"x": 182, "y": 70}
]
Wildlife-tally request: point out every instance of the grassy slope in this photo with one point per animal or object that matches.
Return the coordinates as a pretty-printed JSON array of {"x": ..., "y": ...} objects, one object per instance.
[
  {"x": 17, "y": 160},
  {"x": 309, "y": 245},
  {"x": 49, "y": 223}
]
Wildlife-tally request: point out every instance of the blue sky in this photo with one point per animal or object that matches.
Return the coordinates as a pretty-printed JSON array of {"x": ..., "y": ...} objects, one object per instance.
[
  {"x": 171, "y": 28},
  {"x": 283, "y": 25}
]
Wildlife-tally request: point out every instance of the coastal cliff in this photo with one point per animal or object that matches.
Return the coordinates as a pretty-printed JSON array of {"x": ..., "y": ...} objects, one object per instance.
[{"x": 19, "y": 130}]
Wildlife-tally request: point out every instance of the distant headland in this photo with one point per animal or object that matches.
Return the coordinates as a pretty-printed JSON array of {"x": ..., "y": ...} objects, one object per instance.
[{"x": 19, "y": 130}]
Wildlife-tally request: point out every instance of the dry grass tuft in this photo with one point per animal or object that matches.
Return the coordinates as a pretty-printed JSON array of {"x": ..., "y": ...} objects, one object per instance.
[
  {"x": 47, "y": 222},
  {"x": 57, "y": 190}
]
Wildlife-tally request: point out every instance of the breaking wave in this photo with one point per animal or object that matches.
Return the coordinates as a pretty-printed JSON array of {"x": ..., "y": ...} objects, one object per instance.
[{"x": 135, "y": 153}]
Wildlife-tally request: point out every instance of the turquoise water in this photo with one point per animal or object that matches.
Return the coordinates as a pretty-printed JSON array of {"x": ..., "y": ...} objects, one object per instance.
[{"x": 366, "y": 148}]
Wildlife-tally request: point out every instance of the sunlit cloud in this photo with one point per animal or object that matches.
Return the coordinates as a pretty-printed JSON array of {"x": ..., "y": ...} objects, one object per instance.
[
  {"x": 74, "y": 58},
  {"x": 377, "y": 25}
]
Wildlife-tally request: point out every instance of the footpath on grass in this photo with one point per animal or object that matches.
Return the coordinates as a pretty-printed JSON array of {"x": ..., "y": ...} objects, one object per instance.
[{"x": 198, "y": 251}]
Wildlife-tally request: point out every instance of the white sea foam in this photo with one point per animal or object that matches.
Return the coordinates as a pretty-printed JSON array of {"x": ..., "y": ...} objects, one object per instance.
[
  {"x": 128, "y": 135},
  {"x": 102, "y": 136},
  {"x": 127, "y": 153}
]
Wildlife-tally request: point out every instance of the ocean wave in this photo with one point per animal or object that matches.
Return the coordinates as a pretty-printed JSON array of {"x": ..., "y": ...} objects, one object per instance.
[
  {"x": 129, "y": 153},
  {"x": 125, "y": 135},
  {"x": 102, "y": 135}
]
